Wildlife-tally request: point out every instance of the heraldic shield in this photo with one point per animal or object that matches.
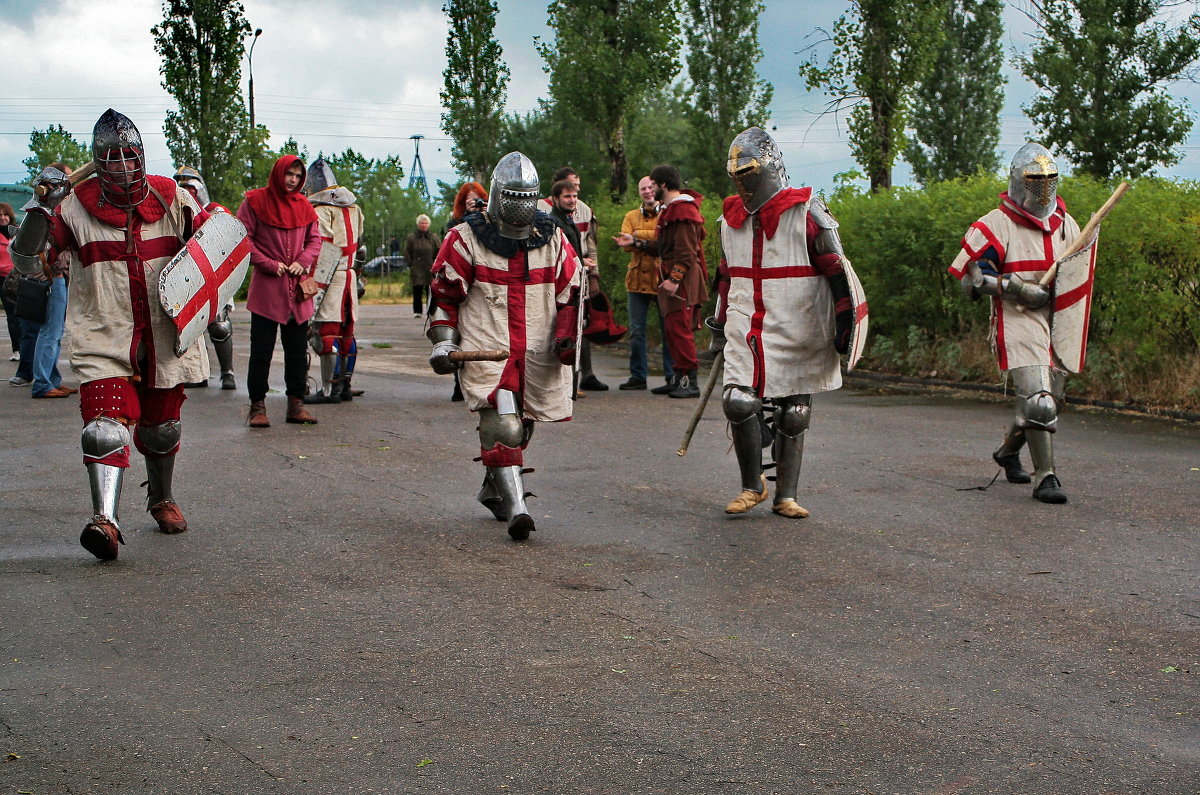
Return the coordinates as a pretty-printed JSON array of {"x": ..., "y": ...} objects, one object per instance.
[
  {"x": 327, "y": 263},
  {"x": 1073, "y": 285},
  {"x": 203, "y": 277},
  {"x": 858, "y": 338}
]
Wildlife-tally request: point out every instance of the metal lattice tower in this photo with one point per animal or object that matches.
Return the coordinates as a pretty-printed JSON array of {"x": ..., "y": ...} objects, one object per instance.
[{"x": 416, "y": 174}]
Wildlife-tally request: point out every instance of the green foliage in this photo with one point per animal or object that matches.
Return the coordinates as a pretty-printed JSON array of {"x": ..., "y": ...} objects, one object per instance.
[
  {"x": 55, "y": 145},
  {"x": 881, "y": 49},
  {"x": 389, "y": 208},
  {"x": 956, "y": 108},
  {"x": 474, "y": 88},
  {"x": 1145, "y": 316},
  {"x": 724, "y": 91},
  {"x": 552, "y": 137},
  {"x": 1102, "y": 67},
  {"x": 200, "y": 43},
  {"x": 606, "y": 56}
]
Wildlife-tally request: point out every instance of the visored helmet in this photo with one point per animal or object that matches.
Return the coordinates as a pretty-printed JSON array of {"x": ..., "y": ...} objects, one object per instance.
[
  {"x": 756, "y": 167},
  {"x": 1033, "y": 180},
  {"x": 320, "y": 177},
  {"x": 120, "y": 160},
  {"x": 512, "y": 201},
  {"x": 190, "y": 178}
]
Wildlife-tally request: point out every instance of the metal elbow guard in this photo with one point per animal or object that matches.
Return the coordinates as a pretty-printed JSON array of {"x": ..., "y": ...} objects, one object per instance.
[
  {"x": 29, "y": 241},
  {"x": 1030, "y": 294},
  {"x": 975, "y": 282}
]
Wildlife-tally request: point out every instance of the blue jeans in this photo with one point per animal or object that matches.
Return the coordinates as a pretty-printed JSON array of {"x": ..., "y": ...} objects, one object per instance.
[
  {"x": 29, "y": 335},
  {"x": 49, "y": 340},
  {"x": 639, "y": 306}
]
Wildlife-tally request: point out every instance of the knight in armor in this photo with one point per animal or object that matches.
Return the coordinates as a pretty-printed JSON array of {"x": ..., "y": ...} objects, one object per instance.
[
  {"x": 1004, "y": 255},
  {"x": 784, "y": 313},
  {"x": 120, "y": 229},
  {"x": 332, "y": 329},
  {"x": 506, "y": 278},
  {"x": 220, "y": 328}
]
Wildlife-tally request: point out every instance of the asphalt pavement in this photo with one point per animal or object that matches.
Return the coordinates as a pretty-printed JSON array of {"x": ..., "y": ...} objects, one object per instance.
[{"x": 343, "y": 617}]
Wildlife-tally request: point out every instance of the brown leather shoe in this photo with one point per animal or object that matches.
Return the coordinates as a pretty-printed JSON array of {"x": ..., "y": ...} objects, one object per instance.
[
  {"x": 257, "y": 418},
  {"x": 101, "y": 537},
  {"x": 57, "y": 392},
  {"x": 169, "y": 517},
  {"x": 72, "y": 390},
  {"x": 297, "y": 413}
]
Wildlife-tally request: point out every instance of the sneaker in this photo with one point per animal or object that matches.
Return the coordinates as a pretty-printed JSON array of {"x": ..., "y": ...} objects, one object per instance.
[
  {"x": 1050, "y": 490},
  {"x": 228, "y": 381},
  {"x": 633, "y": 383},
  {"x": 16, "y": 357},
  {"x": 593, "y": 384},
  {"x": 17, "y": 380}
]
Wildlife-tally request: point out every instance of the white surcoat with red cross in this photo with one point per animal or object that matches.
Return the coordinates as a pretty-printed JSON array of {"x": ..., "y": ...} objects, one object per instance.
[
  {"x": 341, "y": 226},
  {"x": 780, "y": 314},
  {"x": 1027, "y": 247},
  {"x": 113, "y": 293},
  {"x": 511, "y": 304}
]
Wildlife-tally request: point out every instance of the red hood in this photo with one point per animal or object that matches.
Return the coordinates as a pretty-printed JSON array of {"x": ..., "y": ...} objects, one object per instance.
[{"x": 275, "y": 205}]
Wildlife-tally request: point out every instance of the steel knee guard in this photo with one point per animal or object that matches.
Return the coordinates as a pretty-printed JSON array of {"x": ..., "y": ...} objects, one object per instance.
[
  {"x": 742, "y": 407},
  {"x": 158, "y": 441},
  {"x": 501, "y": 432},
  {"x": 1039, "y": 392}
]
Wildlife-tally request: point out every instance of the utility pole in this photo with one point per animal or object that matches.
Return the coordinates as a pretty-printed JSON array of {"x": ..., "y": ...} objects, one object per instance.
[{"x": 416, "y": 174}]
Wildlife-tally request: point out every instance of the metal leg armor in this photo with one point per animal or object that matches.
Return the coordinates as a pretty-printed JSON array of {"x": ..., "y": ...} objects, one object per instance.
[
  {"x": 1008, "y": 456},
  {"x": 329, "y": 392},
  {"x": 792, "y": 415},
  {"x": 101, "y": 438},
  {"x": 504, "y": 484},
  {"x": 160, "y": 442},
  {"x": 742, "y": 407},
  {"x": 1040, "y": 391},
  {"x": 221, "y": 334}
]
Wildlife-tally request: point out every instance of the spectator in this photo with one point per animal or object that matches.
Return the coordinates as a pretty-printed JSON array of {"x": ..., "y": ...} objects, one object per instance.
[
  {"x": 284, "y": 243},
  {"x": 420, "y": 247},
  {"x": 683, "y": 289},
  {"x": 6, "y": 266},
  {"x": 641, "y": 284},
  {"x": 47, "y": 382}
]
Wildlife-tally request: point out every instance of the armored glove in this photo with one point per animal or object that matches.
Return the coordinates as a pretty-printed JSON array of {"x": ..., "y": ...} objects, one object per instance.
[
  {"x": 1030, "y": 294},
  {"x": 717, "y": 344},
  {"x": 54, "y": 187},
  {"x": 439, "y": 359},
  {"x": 843, "y": 329},
  {"x": 566, "y": 323}
]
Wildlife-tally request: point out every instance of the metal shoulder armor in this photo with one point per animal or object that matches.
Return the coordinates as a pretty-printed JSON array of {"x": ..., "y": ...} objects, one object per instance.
[
  {"x": 827, "y": 241},
  {"x": 30, "y": 240}
]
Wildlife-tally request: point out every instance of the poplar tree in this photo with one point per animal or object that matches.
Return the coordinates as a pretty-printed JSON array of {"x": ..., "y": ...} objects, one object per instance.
[
  {"x": 1102, "y": 68},
  {"x": 607, "y": 55},
  {"x": 55, "y": 144},
  {"x": 881, "y": 50},
  {"x": 201, "y": 46},
  {"x": 724, "y": 91},
  {"x": 955, "y": 116},
  {"x": 475, "y": 86}
]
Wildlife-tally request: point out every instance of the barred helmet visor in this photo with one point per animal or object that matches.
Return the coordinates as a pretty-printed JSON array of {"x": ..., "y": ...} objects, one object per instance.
[{"x": 122, "y": 176}]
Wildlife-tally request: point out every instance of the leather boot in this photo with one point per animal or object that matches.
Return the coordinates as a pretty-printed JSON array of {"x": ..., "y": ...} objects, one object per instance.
[
  {"x": 101, "y": 537},
  {"x": 666, "y": 388},
  {"x": 296, "y": 413},
  {"x": 162, "y": 506},
  {"x": 347, "y": 393},
  {"x": 1008, "y": 456},
  {"x": 257, "y": 418},
  {"x": 686, "y": 386}
]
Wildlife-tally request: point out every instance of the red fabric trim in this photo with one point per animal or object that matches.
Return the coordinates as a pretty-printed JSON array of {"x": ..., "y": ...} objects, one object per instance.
[
  {"x": 754, "y": 336},
  {"x": 1001, "y": 350},
  {"x": 777, "y": 272},
  {"x": 158, "y": 406},
  {"x": 681, "y": 211},
  {"x": 150, "y": 210},
  {"x": 207, "y": 294},
  {"x": 570, "y": 266},
  {"x": 513, "y": 376},
  {"x": 1017, "y": 214},
  {"x": 349, "y": 250},
  {"x": 489, "y": 275},
  {"x": 275, "y": 205},
  {"x": 501, "y": 456},
  {"x": 114, "y": 250},
  {"x": 735, "y": 212}
]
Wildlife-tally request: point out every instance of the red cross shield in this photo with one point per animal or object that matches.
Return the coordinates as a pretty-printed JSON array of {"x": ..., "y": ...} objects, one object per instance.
[{"x": 1073, "y": 287}]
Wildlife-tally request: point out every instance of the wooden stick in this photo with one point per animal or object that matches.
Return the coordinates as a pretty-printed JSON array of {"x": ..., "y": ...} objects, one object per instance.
[
  {"x": 478, "y": 356},
  {"x": 713, "y": 377},
  {"x": 1088, "y": 231},
  {"x": 75, "y": 177}
]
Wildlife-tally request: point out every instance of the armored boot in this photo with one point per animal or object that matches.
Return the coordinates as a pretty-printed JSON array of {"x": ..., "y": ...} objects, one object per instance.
[
  {"x": 686, "y": 386},
  {"x": 747, "y": 446},
  {"x": 791, "y": 421},
  {"x": 511, "y": 487},
  {"x": 159, "y": 443},
  {"x": 1008, "y": 456},
  {"x": 330, "y": 389},
  {"x": 224, "y": 349},
  {"x": 102, "y": 535},
  {"x": 489, "y": 497},
  {"x": 1041, "y": 450},
  {"x": 346, "y": 394}
]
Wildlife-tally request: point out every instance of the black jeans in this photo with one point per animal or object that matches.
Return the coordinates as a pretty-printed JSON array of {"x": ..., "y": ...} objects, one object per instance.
[
  {"x": 262, "y": 346},
  {"x": 419, "y": 292}
]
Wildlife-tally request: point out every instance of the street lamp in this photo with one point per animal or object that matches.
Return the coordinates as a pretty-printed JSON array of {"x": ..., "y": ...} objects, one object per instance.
[{"x": 257, "y": 33}]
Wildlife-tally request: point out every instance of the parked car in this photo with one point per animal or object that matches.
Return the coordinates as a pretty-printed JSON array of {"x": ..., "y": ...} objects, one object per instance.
[{"x": 382, "y": 266}]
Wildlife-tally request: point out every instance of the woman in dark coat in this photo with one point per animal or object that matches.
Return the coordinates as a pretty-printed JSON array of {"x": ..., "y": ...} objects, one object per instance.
[{"x": 420, "y": 248}]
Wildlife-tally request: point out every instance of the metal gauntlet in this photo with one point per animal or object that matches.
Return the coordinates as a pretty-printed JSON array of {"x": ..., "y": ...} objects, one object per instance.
[
  {"x": 31, "y": 238},
  {"x": 445, "y": 341},
  {"x": 1030, "y": 294}
]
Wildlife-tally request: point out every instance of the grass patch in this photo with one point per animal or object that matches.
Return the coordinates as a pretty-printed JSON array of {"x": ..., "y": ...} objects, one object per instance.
[{"x": 381, "y": 344}]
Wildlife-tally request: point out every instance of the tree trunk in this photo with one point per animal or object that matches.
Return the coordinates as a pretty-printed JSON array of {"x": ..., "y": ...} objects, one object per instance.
[{"x": 620, "y": 166}]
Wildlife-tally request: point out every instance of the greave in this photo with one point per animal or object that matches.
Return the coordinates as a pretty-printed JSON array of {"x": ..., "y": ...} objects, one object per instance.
[
  {"x": 585, "y": 359},
  {"x": 789, "y": 454},
  {"x": 747, "y": 445},
  {"x": 224, "y": 349},
  {"x": 328, "y": 362},
  {"x": 489, "y": 497},
  {"x": 159, "y": 474},
  {"x": 1014, "y": 440},
  {"x": 511, "y": 487},
  {"x": 105, "y": 482},
  {"x": 1041, "y": 450}
]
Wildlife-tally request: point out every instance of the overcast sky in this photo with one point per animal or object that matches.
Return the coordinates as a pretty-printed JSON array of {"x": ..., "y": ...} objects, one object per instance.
[{"x": 366, "y": 74}]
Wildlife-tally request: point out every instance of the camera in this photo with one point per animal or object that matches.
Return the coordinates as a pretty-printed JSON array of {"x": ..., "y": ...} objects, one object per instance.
[{"x": 476, "y": 204}]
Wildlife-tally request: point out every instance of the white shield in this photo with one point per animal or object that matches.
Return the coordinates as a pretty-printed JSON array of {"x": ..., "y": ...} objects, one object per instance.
[
  {"x": 327, "y": 263},
  {"x": 1073, "y": 285},
  {"x": 203, "y": 277},
  {"x": 858, "y": 338}
]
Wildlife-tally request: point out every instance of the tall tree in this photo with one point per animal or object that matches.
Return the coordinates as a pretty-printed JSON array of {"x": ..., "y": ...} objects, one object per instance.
[
  {"x": 724, "y": 91},
  {"x": 606, "y": 56},
  {"x": 1102, "y": 67},
  {"x": 55, "y": 144},
  {"x": 881, "y": 50},
  {"x": 200, "y": 43},
  {"x": 956, "y": 108},
  {"x": 475, "y": 86}
]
